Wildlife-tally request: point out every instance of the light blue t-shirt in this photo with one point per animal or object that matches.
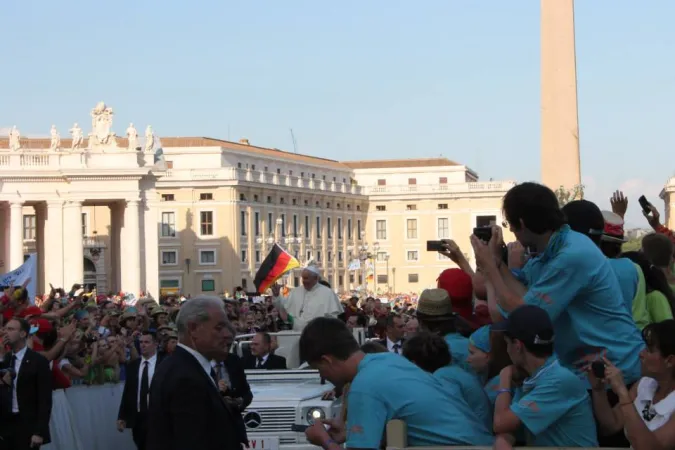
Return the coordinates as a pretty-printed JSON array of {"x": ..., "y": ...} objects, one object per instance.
[
  {"x": 388, "y": 387},
  {"x": 627, "y": 274},
  {"x": 471, "y": 390},
  {"x": 459, "y": 350},
  {"x": 555, "y": 408},
  {"x": 491, "y": 389},
  {"x": 573, "y": 281}
]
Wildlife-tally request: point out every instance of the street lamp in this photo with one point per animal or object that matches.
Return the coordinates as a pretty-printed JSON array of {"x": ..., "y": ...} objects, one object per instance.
[
  {"x": 386, "y": 259},
  {"x": 361, "y": 251},
  {"x": 376, "y": 248}
]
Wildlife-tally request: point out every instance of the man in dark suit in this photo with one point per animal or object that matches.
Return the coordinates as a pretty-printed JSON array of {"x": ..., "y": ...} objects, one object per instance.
[
  {"x": 231, "y": 377},
  {"x": 395, "y": 330},
  {"x": 261, "y": 357},
  {"x": 27, "y": 386},
  {"x": 133, "y": 411},
  {"x": 186, "y": 410}
]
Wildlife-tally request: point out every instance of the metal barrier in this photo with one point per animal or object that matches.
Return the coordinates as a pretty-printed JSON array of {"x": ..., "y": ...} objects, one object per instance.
[{"x": 397, "y": 439}]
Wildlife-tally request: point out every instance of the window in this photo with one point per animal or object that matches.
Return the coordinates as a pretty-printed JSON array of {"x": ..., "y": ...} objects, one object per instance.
[
  {"x": 279, "y": 171},
  {"x": 269, "y": 199},
  {"x": 171, "y": 283},
  {"x": 255, "y": 198},
  {"x": 207, "y": 257},
  {"x": 307, "y": 230},
  {"x": 317, "y": 205},
  {"x": 329, "y": 227},
  {"x": 239, "y": 165},
  {"x": 442, "y": 206},
  {"x": 295, "y": 225},
  {"x": 208, "y": 285},
  {"x": 443, "y": 180},
  {"x": 380, "y": 207},
  {"x": 411, "y": 227},
  {"x": 412, "y": 181},
  {"x": 168, "y": 224},
  {"x": 167, "y": 197},
  {"x": 30, "y": 227},
  {"x": 242, "y": 197},
  {"x": 206, "y": 196},
  {"x": 243, "y": 223},
  {"x": 283, "y": 225},
  {"x": 85, "y": 224},
  {"x": 318, "y": 256},
  {"x": 330, "y": 256},
  {"x": 411, "y": 207},
  {"x": 412, "y": 255},
  {"x": 206, "y": 223},
  {"x": 381, "y": 182},
  {"x": 358, "y": 207},
  {"x": 318, "y": 227},
  {"x": 169, "y": 257},
  {"x": 381, "y": 229},
  {"x": 382, "y": 279},
  {"x": 252, "y": 166},
  {"x": 306, "y": 202},
  {"x": 281, "y": 200},
  {"x": 244, "y": 256},
  {"x": 309, "y": 255},
  {"x": 413, "y": 278},
  {"x": 256, "y": 216},
  {"x": 257, "y": 256},
  {"x": 349, "y": 229},
  {"x": 339, "y": 228},
  {"x": 340, "y": 257},
  {"x": 296, "y": 281},
  {"x": 358, "y": 229},
  {"x": 485, "y": 221},
  {"x": 294, "y": 201},
  {"x": 381, "y": 256},
  {"x": 443, "y": 228},
  {"x": 351, "y": 277},
  {"x": 270, "y": 223},
  {"x": 328, "y": 205},
  {"x": 244, "y": 283},
  {"x": 341, "y": 280}
]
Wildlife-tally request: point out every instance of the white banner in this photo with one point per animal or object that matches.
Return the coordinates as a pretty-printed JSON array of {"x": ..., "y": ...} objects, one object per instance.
[{"x": 17, "y": 277}]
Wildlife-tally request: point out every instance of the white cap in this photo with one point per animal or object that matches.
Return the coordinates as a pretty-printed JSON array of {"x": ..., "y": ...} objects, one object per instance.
[{"x": 312, "y": 268}]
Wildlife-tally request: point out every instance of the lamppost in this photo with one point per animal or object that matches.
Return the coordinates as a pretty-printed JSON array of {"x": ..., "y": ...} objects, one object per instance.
[
  {"x": 363, "y": 255},
  {"x": 386, "y": 259}
]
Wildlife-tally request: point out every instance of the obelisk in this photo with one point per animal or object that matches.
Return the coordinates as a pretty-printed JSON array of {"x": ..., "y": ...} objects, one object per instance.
[{"x": 560, "y": 164}]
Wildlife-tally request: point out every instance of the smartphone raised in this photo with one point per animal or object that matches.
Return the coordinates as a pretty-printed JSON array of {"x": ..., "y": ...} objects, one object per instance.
[
  {"x": 483, "y": 233},
  {"x": 644, "y": 203},
  {"x": 598, "y": 368},
  {"x": 435, "y": 246}
]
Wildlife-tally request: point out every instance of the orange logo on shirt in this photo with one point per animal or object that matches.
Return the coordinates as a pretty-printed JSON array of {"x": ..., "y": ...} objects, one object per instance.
[
  {"x": 356, "y": 429},
  {"x": 531, "y": 405},
  {"x": 544, "y": 298}
]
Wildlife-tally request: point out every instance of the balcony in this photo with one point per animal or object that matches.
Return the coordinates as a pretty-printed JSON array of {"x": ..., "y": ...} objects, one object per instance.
[
  {"x": 454, "y": 188},
  {"x": 23, "y": 161},
  {"x": 257, "y": 176}
]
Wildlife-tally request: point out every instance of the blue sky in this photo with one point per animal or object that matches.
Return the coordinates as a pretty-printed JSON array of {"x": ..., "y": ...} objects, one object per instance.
[{"x": 354, "y": 79}]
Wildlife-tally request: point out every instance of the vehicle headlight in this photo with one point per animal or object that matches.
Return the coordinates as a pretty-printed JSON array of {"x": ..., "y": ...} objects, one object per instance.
[{"x": 314, "y": 414}]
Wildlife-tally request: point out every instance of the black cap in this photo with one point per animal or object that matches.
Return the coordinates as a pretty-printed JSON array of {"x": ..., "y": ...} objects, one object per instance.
[
  {"x": 584, "y": 217},
  {"x": 529, "y": 324}
]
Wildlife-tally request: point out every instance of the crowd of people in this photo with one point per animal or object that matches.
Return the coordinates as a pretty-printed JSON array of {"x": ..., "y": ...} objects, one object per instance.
[{"x": 556, "y": 339}]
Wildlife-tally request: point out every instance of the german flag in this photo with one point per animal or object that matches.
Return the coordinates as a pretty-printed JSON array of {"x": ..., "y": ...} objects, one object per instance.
[{"x": 277, "y": 263}]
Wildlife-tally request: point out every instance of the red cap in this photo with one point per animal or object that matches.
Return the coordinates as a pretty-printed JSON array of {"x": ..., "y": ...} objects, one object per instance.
[
  {"x": 44, "y": 326},
  {"x": 460, "y": 289},
  {"x": 31, "y": 311}
]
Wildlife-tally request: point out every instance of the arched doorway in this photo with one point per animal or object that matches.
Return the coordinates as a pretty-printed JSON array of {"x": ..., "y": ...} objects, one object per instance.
[{"x": 89, "y": 274}]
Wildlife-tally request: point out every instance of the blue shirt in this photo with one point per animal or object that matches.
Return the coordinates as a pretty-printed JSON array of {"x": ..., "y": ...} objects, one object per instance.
[
  {"x": 471, "y": 389},
  {"x": 459, "y": 350},
  {"x": 388, "y": 387},
  {"x": 627, "y": 274},
  {"x": 573, "y": 281},
  {"x": 491, "y": 389},
  {"x": 555, "y": 408}
]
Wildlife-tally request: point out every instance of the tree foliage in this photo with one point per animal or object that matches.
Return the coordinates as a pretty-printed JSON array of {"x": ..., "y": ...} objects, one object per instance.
[
  {"x": 632, "y": 246},
  {"x": 568, "y": 195}
]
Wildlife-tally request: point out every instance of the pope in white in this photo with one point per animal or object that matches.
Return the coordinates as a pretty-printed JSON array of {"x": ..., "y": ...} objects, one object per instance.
[{"x": 308, "y": 301}]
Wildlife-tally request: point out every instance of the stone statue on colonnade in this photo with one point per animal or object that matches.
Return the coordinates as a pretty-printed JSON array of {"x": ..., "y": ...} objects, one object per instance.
[
  {"x": 77, "y": 136},
  {"x": 55, "y": 143},
  {"x": 14, "y": 139},
  {"x": 132, "y": 137},
  {"x": 149, "y": 139}
]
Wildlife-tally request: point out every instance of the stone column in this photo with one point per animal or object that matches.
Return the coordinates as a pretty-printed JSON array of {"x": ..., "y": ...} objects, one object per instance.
[
  {"x": 4, "y": 240},
  {"x": 560, "y": 163},
  {"x": 151, "y": 260},
  {"x": 131, "y": 249},
  {"x": 73, "y": 246},
  {"x": 41, "y": 221},
  {"x": 114, "y": 252},
  {"x": 15, "y": 235},
  {"x": 53, "y": 244}
]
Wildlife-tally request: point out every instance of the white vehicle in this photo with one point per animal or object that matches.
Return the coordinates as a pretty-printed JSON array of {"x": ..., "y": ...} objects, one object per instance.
[{"x": 284, "y": 400}]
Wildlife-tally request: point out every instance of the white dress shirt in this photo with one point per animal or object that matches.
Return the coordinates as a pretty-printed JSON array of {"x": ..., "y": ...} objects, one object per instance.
[
  {"x": 261, "y": 360},
  {"x": 17, "y": 367},
  {"x": 390, "y": 346},
  {"x": 205, "y": 363},
  {"x": 152, "y": 363},
  {"x": 221, "y": 371}
]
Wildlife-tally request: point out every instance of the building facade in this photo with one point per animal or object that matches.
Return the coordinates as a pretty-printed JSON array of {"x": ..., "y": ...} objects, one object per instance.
[{"x": 106, "y": 214}]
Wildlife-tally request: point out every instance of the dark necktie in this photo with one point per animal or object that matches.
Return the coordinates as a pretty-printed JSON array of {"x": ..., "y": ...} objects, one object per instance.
[
  {"x": 145, "y": 388},
  {"x": 260, "y": 363},
  {"x": 396, "y": 348},
  {"x": 12, "y": 369},
  {"x": 214, "y": 376}
]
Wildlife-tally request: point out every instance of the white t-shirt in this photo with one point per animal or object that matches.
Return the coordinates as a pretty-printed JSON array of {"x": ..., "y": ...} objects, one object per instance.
[{"x": 654, "y": 415}]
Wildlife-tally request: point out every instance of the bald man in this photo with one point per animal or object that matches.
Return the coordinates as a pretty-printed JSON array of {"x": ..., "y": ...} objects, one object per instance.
[{"x": 308, "y": 301}]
